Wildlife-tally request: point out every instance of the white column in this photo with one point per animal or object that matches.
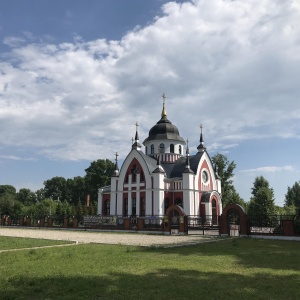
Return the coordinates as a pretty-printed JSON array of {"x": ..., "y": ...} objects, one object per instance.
[
  {"x": 158, "y": 193},
  {"x": 148, "y": 201},
  {"x": 137, "y": 194},
  {"x": 129, "y": 203},
  {"x": 100, "y": 197}
]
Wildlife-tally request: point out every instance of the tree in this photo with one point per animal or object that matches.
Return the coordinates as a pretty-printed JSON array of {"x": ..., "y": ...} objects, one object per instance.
[
  {"x": 97, "y": 175},
  {"x": 55, "y": 188},
  {"x": 40, "y": 195},
  {"x": 286, "y": 210},
  {"x": 26, "y": 196},
  {"x": 7, "y": 190},
  {"x": 76, "y": 189},
  {"x": 225, "y": 170},
  {"x": 6, "y": 204},
  {"x": 292, "y": 196},
  {"x": 234, "y": 198},
  {"x": 260, "y": 182},
  {"x": 262, "y": 203}
]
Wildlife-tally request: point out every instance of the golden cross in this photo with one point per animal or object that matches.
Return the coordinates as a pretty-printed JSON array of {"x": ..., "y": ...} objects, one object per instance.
[{"x": 164, "y": 98}]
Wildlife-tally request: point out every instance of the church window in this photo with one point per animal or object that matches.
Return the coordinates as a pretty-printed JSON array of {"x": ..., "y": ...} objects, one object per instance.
[
  {"x": 172, "y": 148},
  {"x": 214, "y": 212},
  {"x": 126, "y": 178},
  {"x": 133, "y": 212},
  {"x": 146, "y": 150},
  {"x": 152, "y": 149},
  {"x": 134, "y": 171},
  {"x": 162, "y": 148},
  {"x": 143, "y": 206},
  {"x": 178, "y": 202},
  {"x": 125, "y": 203},
  {"x": 107, "y": 208},
  {"x": 167, "y": 203},
  {"x": 142, "y": 178},
  {"x": 180, "y": 149}
]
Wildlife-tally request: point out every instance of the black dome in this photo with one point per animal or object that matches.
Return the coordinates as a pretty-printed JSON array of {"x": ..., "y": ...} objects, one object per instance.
[{"x": 164, "y": 129}]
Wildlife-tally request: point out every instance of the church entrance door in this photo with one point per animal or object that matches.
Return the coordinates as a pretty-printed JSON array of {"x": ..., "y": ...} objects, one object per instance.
[
  {"x": 233, "y": 222},
  {"x": 177, "y": 220}
]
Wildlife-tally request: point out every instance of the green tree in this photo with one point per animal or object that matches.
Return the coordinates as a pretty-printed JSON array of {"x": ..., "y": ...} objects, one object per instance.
[
  {"x": 40, "y": 195},
  {"x": 260, "y": 182},
  {"x": 18, "y": 208},
  {"x": 26, "y": 196},
  {"x": 262, "y": 203},
  {"x": 234, "y": 198},
  {"x": 76, "y": 189},
  {"x": 7, "y": 204},
  {"x": 286, "y": 210},
  {"x": 292, "y": 196},
  {"x": 98, "y": 174},
  {"x": 225, "y": 170},
  {"x": 55, "y": 188},
  {"x": 7, "y": 190}
]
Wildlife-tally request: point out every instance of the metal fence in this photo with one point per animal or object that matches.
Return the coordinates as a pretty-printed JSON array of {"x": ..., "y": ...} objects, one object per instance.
[
  {"x": 205, "y": 225},
  {"x": 200, "y": 225},
  {"x": 271, "y": 224}
]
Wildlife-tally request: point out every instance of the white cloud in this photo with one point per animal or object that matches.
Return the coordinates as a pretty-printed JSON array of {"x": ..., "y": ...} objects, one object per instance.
[
  {"x": 231, "y": 65},
  {"x": 13, "y": 157},
  {"x": 269, "y": 169}
]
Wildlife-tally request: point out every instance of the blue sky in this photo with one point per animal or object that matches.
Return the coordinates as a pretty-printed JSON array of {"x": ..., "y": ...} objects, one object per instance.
[{"x": 75, "y": 76}]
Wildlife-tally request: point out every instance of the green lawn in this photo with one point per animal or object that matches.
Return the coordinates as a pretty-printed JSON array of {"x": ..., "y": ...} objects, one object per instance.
[
  {"x": 7, "y": 243},
  {"x": 227, "y": 269}
]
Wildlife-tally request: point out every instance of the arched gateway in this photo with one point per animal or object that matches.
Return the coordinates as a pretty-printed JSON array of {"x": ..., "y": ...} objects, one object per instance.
[
  {"x": 233, "y": 221},
  {"x": 175, "y": 220}
]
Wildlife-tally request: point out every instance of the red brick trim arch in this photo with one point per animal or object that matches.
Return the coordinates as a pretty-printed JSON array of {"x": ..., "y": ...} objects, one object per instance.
[
  {"x": 183, "y": 228},
  {"x": 224, "y": 219}
]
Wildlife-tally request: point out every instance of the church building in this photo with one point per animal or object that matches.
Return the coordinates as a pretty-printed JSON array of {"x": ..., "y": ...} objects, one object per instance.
[{"x": 163, "y": 175}]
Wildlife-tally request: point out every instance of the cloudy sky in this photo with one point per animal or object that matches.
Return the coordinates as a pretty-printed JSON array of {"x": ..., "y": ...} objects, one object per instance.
[{"x": 75, "y": 76}]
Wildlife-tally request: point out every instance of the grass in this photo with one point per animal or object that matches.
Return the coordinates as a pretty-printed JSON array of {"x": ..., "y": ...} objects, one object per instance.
[
  {"x": 227, "y": 269},
  {"x": 7, "y": 243}
]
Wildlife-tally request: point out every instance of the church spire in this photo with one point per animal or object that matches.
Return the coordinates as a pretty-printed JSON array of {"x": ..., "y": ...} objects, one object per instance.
[
  {"x": 187, "y": 164},
  {"x": 187, "y": 154},
  {"x": 201, "y": 147},
  {"x": 159, "y": 168},
  {"x": 164, "y": 112},
  {"x": 116, "y": 171},
  {"x": 136, "y": 145}
]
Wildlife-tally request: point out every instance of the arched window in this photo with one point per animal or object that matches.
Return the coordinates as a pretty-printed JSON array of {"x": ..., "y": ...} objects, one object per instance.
[
  {"x": 180, "y": 149},
  {"x": 107, "y": 208},
  {"x": 214, "y": 212},
  {"x": 143, "y": 206},
  {"x": 146, "y": 150},
  {"x": 142, "y": 177},
  {"x": 172, "y": 148},
  {"x": 167, "y": 203},
  {"x": 152, "y": 149},
  {"x": 134, "y": 171},
  {"x": 133, "y": 212},
  {"x": 162, "y": 148},
  {"x": 178, "y": 202},
  {"x": 125, "y": 207}
]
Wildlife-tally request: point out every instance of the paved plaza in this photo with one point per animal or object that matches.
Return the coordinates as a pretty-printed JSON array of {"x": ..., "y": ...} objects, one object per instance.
[{"x": 89, "y": 236}]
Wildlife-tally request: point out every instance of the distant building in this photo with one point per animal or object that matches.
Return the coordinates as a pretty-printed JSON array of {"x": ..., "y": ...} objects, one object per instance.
[{"x": 164, "y": 175}]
